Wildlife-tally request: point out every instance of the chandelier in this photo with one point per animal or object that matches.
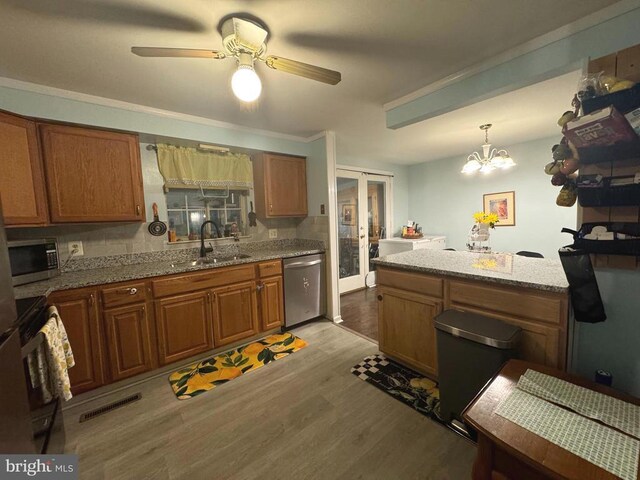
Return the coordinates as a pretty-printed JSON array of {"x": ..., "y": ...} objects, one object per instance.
[{"x": 490, "y": 160}]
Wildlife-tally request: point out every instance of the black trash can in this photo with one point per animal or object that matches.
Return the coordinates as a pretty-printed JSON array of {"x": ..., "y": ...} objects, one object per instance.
[{"x": 471, "y": 350}]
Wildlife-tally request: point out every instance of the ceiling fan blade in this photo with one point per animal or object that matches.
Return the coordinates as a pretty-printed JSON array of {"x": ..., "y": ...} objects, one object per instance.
[
  {"x": 303, "y": 70},
  {"x": 176, "y": 52}
]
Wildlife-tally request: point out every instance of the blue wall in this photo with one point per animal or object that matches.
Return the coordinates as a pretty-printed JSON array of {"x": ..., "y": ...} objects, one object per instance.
[
  {"x": 443, "y": 200},
  {"x": 64, "y": 109},
  {"x": 613, "y": 345}
]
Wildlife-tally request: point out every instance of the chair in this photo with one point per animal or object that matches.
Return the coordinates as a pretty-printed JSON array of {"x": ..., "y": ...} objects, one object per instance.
[
  {"x": 524, "y": 253},
  {"x": 450, "y": 249}
]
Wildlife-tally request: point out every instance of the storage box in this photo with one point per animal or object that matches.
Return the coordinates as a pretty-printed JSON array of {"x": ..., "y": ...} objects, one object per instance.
[{"x": 601, "y": 128}]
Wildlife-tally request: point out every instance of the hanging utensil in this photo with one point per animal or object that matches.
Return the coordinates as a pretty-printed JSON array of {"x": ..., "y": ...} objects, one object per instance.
[
  {"x": 252, "y": 216},
  {"x": 157, "y": 228}
]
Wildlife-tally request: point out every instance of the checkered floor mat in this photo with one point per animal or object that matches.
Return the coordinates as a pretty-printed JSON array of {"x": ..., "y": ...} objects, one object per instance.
[{"x": 405, "y": 385}]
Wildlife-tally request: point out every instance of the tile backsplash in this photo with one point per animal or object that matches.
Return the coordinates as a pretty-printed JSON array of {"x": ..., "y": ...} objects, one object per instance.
[{"x": 108, "y": 239}]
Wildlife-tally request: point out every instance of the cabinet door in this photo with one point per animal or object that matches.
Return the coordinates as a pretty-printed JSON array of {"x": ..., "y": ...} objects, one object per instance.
[
  {"x": 184, "y": 326},
  {"x": 271, "y": 303},
  {"x": 407, "y": 332},
  {"x": 92, "y": 175},
  {"x": 285, "y": 185},
  {"x": 235, "y": 314},
  {"x": 539, "y": 343},
  {"x": 22, "y": 180},
  {"x": 128, "y": 341},
  {"x": 79, "y": 313}
]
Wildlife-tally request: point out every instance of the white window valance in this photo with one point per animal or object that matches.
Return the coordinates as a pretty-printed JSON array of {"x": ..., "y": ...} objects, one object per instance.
[{"x": 186, "y": 167}]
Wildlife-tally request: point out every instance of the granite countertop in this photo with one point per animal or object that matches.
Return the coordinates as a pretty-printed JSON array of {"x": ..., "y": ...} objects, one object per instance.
[
  {"x": 110, "y": 273},
  {"x": 508, "y": 269}
]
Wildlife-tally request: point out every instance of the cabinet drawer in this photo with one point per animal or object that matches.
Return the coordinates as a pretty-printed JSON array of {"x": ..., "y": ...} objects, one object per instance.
[
  {"x": 523, "y": 303},
  {"x": 191, "y": 282},
  {"x": 269, "y": 269},
  {"x": 413, "y": 282},
  {"x": 124, "y": 294}
]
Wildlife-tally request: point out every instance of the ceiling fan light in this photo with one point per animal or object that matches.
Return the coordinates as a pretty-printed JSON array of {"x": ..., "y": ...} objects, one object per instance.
[
  {"x": 246, "y": 84},
  {"x": 471, "y": 166}
]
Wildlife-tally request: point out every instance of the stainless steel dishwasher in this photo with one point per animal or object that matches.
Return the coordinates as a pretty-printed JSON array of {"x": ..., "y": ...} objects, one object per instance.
[{"x": 304, "y": 288}]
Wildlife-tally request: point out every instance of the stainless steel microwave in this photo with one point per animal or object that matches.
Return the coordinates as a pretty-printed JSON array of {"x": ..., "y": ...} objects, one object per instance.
[{"x": 33, "y": 260}]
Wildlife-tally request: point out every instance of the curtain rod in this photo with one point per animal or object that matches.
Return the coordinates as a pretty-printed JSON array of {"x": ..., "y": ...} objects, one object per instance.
[{"x": 202, "y": 146}]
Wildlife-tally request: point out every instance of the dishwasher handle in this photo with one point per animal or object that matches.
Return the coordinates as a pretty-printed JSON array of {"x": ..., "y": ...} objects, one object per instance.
[{"x": 302, "y": 264}]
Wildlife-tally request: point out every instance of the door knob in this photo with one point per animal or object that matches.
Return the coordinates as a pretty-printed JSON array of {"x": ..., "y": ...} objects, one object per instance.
[{"x": 361, "y": 237}]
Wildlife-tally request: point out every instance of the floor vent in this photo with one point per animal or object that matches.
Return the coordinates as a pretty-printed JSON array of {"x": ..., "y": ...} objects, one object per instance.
[{"x": 109, "y": 407}]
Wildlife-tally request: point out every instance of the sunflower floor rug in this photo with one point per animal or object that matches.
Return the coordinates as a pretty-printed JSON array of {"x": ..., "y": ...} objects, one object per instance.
[
  {"x": 203, "y": 376},
  {"x": 403, "y": 384}
]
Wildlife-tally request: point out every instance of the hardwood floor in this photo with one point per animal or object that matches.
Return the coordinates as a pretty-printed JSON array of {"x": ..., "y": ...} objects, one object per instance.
[
  {"x": 359, "y": 312},
  {"x": 302, "y": 417}
]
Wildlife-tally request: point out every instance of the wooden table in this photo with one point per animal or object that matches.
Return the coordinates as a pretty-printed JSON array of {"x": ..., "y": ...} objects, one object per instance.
[{"x": 508, "y": 451}]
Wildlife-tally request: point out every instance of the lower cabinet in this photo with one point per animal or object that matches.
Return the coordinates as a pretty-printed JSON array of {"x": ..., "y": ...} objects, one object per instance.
[
  {"x": 121, "y": 330},
  {"x": 407, "y": 330},
  {"x": 128, "y": 341},
  {"x": 184, "y": 326},
  {"x": 271, "y": 304},
  {"x": 235, "y": 313},
  {"x": 79, "y": 312}
]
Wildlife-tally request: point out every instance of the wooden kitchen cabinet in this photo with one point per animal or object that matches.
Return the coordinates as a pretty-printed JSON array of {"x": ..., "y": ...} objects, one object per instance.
[
  {"x": 128, "y": 341},
  {"x": 92, "y": 175},
  {"x": 280, "y": 185},
  {"x": 78, "y": 310},
  {"x": 184, "y": 326},
  {"x": 410, "y": 300},
  {"x": 22, "y": 187},
  {"x": 235, "y": 313},
  {"x": 406, "y": 324},
  {"x": 271, "y": 303}
]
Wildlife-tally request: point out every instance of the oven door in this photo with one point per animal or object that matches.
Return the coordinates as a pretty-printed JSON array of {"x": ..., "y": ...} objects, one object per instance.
[{"x": 16, "y": 431}]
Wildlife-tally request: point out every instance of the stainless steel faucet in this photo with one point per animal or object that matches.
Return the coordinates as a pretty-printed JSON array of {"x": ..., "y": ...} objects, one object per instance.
[{"x": 204, "y": 250}]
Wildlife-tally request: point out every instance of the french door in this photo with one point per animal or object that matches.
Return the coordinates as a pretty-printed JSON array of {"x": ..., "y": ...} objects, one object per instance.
[{"x": 363, "y": 218}]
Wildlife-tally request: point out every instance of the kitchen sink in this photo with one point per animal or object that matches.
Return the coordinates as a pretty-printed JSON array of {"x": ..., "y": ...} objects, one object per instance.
[{"x": 210, "y": 260}]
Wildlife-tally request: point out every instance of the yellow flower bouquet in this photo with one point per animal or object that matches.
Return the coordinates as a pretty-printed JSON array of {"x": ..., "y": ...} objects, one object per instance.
[{"x": 486, "y": 218}]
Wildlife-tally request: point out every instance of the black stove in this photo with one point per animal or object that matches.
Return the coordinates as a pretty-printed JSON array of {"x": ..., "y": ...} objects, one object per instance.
[{"x": 31, "y": 316}]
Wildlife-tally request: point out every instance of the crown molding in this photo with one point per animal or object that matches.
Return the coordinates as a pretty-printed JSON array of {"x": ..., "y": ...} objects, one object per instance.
[
  {"x": 607, "y": 13},
  {"x": 134, "y": 107}
]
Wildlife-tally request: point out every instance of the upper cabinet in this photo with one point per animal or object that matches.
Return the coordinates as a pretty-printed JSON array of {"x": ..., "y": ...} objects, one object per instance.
[
  {"x": 92, "y": 175},
  {"x": 280, "y": 183},
  {"x": 22, "y": 187}
]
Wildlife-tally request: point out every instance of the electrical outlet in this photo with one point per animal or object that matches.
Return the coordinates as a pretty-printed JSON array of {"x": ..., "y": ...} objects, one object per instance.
[
  {"x": 273, "y": 233},
  {"x": 77, "y": 246}
]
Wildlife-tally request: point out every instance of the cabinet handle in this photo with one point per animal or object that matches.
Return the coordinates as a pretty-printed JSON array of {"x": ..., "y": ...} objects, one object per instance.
[
  {"x": 137, "y": 209},
  {"x": 380, "y": 298},
  {"x": 130, "y": 291},
  {"x": 271, "y": 206},
  {"x": 260, "y": 286},
  {"x": 209, "y": 297},
  {"x": 91, "y": 300},
  {"x": 144, "y": 309}
]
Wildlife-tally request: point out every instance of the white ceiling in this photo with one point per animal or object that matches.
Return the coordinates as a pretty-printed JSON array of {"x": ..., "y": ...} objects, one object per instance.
[{"x": 383, "y": 49}]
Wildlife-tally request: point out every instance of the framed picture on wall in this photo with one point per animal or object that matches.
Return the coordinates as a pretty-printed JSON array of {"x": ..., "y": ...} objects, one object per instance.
[
  {"x": 503, "y": 204},
  {"x": 349, "y": 214}
]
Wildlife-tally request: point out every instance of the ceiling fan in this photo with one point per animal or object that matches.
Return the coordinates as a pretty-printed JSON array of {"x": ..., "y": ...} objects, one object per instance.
[{"x": 245, "y": 40}]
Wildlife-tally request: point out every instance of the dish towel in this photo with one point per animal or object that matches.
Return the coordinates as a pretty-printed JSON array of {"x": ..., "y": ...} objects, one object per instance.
[{"x": 50, "y": 362}]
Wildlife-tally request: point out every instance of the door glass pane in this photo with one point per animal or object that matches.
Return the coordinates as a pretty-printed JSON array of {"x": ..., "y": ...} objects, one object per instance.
[
  {"x": 348, "y": 242},
  {"x": 376, "y": 217}
]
